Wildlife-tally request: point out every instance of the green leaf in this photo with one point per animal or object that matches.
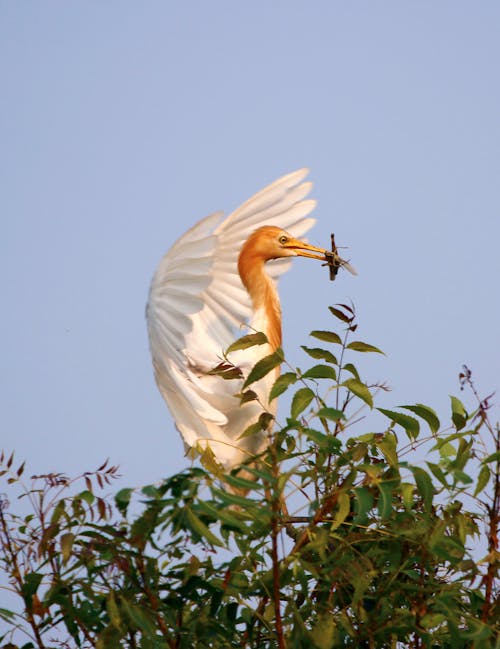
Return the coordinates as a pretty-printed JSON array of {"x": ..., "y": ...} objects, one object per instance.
[
  {"x": 30, "y": 585},
  {"x": 322, "y": 635},
  {"x": 349, "y": 367},
  {"x": 318, "y": 353},
  {"x": 250, "y": 340},
  {"x": 385, "y": 500},
  {"x": 67, "y": 541},
  {"x": 432, "y": 620},
  {"x": 458, "y": 413},
  {"x": 410, "y": 424},
  {"x": 264, "y": 366},
  {"x": 407, "y": 494},
  {"x": 388, "y": 447},
  {"x": 281, "y": 384},
  {"x": 301, "y": 399},
  {"x": 359, "y": 346},
  {"x": 320, "y": 372},
  {"x": 494, "y": 457},
  {"x": 330, "y": 413},
  {"x": 7, "y": 616},
  {"x": 198, "y": 526},
  {"x": 261, "y": 424},
  {"x": 224, "y": 515},
  {"x": 327, "y": 336},
  {"x": 233, "y": 499},
  {"x": 337, "y": 313},
  {"x": 438, "y": 473},
  {"x": 240, "y": 483},
  {"x": 113, "y": 610},
  {"x": 316, "y": 436},
  {"x": 137, "y": 616},
  {"x": 424, "y": 485},
  {"x": 360, "y": 390},
  {"x": 87, "y": 496},
  {"x": 364, "y": 503},
  {"x": 122, "y": 499},
  {"x": 344, "y": 507},
  {"x": 427, "y": 414}
]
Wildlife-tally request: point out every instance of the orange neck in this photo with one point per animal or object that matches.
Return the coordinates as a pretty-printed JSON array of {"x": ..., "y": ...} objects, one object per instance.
[{"x": 265, "y": 300}]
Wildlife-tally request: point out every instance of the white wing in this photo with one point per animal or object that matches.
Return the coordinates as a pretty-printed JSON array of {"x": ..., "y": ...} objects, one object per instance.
[{"x": 197, "y": 306}]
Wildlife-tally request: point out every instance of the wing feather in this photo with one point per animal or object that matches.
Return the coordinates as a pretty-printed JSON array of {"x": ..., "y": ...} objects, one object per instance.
[{"x": 196, "y": 305}]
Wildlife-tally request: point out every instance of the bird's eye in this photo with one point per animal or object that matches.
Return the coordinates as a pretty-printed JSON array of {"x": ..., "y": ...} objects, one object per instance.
[{"x": 283, "y": 240}]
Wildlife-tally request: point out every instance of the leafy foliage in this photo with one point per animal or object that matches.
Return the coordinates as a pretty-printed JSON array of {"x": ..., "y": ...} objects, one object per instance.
[{"x": 336, "y": 537}]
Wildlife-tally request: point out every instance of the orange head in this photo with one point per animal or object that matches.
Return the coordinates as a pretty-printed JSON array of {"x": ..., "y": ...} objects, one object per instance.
[{"x": 270, "y": 242}]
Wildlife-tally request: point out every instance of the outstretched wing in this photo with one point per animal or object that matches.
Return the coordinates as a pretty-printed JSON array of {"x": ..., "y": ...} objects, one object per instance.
[{"x": 197, "y": 303}]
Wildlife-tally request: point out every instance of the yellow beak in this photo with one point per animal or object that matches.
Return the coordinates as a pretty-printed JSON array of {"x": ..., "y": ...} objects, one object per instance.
[{"x": 303, "y": 249}]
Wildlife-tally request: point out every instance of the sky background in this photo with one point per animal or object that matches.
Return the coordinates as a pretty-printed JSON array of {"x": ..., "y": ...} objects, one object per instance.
[{"x": 124, "y": 123}]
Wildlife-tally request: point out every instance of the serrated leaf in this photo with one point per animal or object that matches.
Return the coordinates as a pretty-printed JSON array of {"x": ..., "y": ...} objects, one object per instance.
[
  {"x": 330, "y": 413},
  {"x": 247, "y": 341},
  {"x": 340, "y": 314},
  {"x": 360, "y": 390},
  {"x": 425, "y": 413},
  {"x": 482, "y": 479},
  {"x": 233, "y": 499},
  {"x": 318, "y": 353},
  {"x": 410, "y": 424},
  {"x": 359, "y": 346},
  {"x": 198, "y": 526},
  {"x": 264, "y": 366},
  {"x": 424, "y": 485},
  {"x": 458, "y": 413},
  {"x": 301, "y": 399},
  {"x": 240, "y": 483},
  {"x": 388, "y": 447},
  {"x": 320, "y": 372},
  {"x": 67, "y": 541},
  {"x": 261, "y": 424},
  {"x": 281, "y": 384},
  {"x": 438, "y": 473},
  {"x": 327, "y": 336},
  {"x": 344, "y": 507},
  {"x": 208, "y": 460}
]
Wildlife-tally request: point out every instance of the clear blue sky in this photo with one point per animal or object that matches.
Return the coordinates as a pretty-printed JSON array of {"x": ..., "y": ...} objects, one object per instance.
[{"x": 123, "y": 123}]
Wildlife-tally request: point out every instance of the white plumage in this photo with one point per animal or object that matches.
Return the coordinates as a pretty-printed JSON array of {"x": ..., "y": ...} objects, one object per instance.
[{"x": 198, "y": 306}]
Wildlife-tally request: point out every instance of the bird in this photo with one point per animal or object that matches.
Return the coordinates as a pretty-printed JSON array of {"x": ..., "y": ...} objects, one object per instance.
[{"x": 220, "y": 279}]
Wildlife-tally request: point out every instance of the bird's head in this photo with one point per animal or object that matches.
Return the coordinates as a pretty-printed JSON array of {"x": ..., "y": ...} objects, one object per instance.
[{"x": 270, "y": 242}]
